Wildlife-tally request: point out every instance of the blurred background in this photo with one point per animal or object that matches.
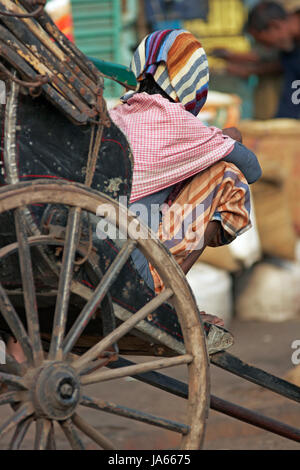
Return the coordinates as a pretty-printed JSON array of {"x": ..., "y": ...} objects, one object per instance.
[{"x": 257, "y": 277}]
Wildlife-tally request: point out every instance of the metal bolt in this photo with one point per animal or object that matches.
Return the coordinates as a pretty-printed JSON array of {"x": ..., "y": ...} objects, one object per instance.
[{"x": 66, "y": 390}]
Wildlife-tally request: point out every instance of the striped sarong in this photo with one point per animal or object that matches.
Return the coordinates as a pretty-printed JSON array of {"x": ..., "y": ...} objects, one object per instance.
[{"x": 220, "y": 193}]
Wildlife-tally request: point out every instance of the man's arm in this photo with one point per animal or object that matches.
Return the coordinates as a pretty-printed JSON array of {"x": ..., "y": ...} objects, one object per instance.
[
  {"x": 260, "y": 68},
  {"x": 243, "y": 158},
  {"x": 237, "y": 57},
  {"x": 245, "y": 64}
]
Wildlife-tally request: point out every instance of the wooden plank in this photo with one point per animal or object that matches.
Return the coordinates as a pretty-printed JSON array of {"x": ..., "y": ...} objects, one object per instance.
[{"x": 237, "y": 367}]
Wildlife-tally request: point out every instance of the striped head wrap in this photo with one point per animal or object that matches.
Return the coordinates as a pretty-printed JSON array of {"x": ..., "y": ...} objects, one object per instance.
[{"x": 178, "y": 64}]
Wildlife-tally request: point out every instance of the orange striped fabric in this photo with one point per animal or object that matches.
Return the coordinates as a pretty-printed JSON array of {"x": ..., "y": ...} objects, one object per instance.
[
  {"x": 178, "y": 64},
  {"x": 181, "y": 52},
  {"x": 219, "y": 193}
]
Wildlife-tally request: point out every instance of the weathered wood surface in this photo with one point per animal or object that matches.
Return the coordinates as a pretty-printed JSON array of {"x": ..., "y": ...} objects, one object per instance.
[{"x": 74, "y": 84}]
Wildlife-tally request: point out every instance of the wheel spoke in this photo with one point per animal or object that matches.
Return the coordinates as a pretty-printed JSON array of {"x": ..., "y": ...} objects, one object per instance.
[
  {"x": 98, "y": 364},
  {"x": 130, "y": 413},
  {"x": 65, "y": 280},
  {"x": 20, "y": 434},
  {"x": 51, "y": 441},
  {"x": 124, "y": 328},
  {"x": 12, "y": 397},
  {"x": 26, "y": 194},
  {"x": 33, "y": 241},
  {"x": 43, "y": 429},
  {"x": 92, "y": 433},
  {"x": 12, "y": 319},
  {"x": 12, "y": 380},
  {"x": 28, "y": 287},
  {"x": 72, "y": 435},
  {"x": 23, "y": 412},
  {"x": 12, "y": 366},
  {"x": 99, "y": 294},
  {"x": 102, "y": 376}
]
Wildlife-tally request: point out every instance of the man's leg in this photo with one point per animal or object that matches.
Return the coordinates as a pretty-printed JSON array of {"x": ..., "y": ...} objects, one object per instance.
[
  {"x": 211, "y": 234},
  {"x": 215, "y": 204}
]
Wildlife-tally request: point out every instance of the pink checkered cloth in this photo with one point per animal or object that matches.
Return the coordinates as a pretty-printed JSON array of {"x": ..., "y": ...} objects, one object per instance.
[{"x": 169, "y": 144}]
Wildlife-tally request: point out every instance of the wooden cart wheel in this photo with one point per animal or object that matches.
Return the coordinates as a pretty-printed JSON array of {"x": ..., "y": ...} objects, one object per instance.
[{"x": 50, "y": 387}]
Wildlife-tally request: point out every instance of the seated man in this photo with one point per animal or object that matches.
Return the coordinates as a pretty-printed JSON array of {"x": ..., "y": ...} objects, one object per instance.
[
  {"x": 200, "y": 172},
  {"x": 177, "y": 159}
]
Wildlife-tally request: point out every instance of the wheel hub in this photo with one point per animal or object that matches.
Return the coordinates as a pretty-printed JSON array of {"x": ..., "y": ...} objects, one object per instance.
[{"x": 56, "y": 391}]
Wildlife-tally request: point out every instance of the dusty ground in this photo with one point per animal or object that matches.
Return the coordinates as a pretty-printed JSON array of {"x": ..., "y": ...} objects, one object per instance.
[{"x": 265, "y": 345}]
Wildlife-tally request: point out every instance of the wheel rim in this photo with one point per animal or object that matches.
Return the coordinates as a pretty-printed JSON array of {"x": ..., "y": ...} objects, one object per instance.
[{"x": 55, "y": 373}]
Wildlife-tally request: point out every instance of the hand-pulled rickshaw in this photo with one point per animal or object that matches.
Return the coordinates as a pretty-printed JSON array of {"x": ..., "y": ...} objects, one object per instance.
[{"x": 71, "y": 298}]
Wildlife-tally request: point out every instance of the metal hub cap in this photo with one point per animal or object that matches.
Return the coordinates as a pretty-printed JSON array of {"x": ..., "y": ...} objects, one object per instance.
[{"x": 57, "y": 391}]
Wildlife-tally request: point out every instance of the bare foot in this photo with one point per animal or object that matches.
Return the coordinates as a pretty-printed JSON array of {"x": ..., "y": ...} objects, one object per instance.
[{"x": 212, "y": 319}]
